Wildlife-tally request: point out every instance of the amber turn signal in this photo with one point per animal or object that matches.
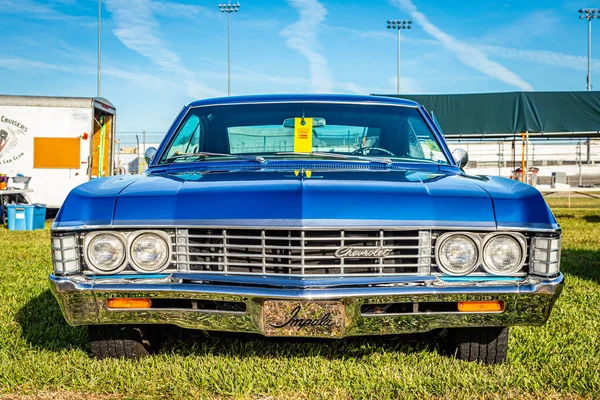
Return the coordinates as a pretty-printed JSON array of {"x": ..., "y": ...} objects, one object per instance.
[
  {"x": 128, "y": 303},
  {"x": 480, "y": 306}
]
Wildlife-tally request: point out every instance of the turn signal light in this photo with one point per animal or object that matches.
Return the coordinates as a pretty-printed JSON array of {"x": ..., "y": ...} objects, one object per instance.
[
  {"x": 128, "y": 303},
  {"x": 480, "y": 306}
]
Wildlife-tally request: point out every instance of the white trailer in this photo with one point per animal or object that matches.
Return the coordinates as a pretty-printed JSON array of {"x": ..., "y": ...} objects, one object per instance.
[{"x": 60, "y": 142}]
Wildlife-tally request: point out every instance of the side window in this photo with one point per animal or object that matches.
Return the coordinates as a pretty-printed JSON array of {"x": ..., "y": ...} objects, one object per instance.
[
  {"x": 189, "y": 139},
  {"x": 422, "y": 143}
]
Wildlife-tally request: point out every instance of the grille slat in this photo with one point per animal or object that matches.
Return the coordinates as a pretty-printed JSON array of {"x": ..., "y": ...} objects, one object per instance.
[{"x": 301, "y": 252}]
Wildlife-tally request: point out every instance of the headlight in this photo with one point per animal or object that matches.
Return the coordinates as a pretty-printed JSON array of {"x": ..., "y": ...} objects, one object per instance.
[
  {"x": 457, "y": 253},
  {"x": 150, "y": 252},
  {"x": 503, "y": 254},
  {"x": 105, "y": 252}
]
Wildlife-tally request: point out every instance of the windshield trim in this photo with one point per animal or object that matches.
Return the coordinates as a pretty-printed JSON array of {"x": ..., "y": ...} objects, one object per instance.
[{"x": 166, "y": 142}]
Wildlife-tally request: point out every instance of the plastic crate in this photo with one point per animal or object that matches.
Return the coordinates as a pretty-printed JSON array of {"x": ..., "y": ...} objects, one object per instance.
[{"x": 26, "y": 217}]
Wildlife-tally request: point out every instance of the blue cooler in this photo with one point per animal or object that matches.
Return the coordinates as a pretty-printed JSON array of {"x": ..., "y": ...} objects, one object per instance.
[
  {"x": 26, "y": 217},
  {"x": 35, "y": 216},
  {"x": 16, "y": 216}
]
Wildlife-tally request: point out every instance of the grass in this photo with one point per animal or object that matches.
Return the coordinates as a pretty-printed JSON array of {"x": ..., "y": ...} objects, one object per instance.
[{"x": 43, "y": 357}]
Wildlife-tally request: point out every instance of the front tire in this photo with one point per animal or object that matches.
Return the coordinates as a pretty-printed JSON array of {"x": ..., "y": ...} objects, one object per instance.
[
  {"x": 117, "y": 341},
  {"x": 487, "y": 345}
]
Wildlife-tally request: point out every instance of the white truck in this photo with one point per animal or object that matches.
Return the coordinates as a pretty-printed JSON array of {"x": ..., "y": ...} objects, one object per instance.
[{"x": 60, "y": 142}]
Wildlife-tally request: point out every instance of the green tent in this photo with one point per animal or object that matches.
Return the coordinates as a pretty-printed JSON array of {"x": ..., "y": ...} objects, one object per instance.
[{"x": 507, "y": 115}]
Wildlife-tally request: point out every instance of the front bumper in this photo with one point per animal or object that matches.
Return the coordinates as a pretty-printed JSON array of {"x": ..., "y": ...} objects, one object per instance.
[{"x": 527, "y": 302}]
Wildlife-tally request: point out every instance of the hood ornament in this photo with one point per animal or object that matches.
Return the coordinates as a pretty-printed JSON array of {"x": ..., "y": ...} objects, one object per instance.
[{"x": 363, "y": 252}]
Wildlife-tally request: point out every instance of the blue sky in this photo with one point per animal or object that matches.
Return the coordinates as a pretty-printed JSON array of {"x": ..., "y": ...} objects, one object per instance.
[{"x": 159, "y": 55}]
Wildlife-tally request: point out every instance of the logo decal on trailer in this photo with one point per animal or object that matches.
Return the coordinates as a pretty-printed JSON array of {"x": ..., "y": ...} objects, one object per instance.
[{"x": 10, "y": 133}]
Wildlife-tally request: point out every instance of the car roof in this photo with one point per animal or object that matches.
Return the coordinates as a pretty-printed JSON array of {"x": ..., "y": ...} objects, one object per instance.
[{"x": 276, "y": 98}]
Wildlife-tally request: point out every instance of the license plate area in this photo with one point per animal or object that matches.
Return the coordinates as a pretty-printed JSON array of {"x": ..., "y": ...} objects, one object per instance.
[{"x": 303, "y": 318}]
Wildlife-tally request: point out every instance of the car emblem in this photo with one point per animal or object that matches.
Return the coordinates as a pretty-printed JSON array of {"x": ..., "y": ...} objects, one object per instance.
[{"x": 363, "y": 252}]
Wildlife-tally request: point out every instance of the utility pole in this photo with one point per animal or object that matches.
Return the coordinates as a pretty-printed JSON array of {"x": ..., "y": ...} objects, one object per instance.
[
  {"x": 398, "y": 24},
  {"x": 229, "y": 8},
  {"x": 99, "y": 19},
  {"x": 589, "y": 14}
]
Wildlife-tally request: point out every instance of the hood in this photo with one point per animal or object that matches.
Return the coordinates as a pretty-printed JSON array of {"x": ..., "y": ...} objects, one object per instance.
[{"x": 297, "y": 198}]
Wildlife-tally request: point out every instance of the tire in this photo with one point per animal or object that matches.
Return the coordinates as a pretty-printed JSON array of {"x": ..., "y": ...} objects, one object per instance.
[
  {"x": 117, "y": 341},
  {"x": 486, "y": 345}
]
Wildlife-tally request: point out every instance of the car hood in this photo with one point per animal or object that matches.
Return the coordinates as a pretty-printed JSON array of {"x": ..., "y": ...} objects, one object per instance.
[{"x": 306, "y": 198}]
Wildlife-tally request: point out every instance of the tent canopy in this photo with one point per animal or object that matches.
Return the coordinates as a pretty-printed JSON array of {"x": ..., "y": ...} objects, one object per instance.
[{"x": 507, "y": 115}]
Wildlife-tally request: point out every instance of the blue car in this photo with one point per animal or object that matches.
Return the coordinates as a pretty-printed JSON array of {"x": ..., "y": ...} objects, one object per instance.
[{"x": 305, "y": 216}]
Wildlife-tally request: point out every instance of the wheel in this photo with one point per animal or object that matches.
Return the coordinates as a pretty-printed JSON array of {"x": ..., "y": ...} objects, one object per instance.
[
  {"x": 487, "y": 345},
  {"x": 117, "y": 341}
]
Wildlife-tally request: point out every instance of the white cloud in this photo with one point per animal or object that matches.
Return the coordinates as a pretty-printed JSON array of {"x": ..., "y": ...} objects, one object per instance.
[
  {"x": 407, "y": 85},
  {"x": 138, "y": 30},
  {"x": 562, "y": 60},
  {"x": 466, "y": 53},
  {"x": 302, "y": 36},
  {"x": 171, "y": 9},
  {"x": 42, "y": 67}
]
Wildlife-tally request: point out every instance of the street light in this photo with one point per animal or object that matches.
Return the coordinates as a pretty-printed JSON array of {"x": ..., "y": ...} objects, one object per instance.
[
  {"x": 399, "y": 24},
  {"x": 589, "y": 14},
  {"x": 229, "y": 8}
]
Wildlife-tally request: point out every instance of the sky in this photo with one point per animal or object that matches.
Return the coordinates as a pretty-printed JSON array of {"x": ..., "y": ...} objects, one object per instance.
[{"x": 159, "y": 55}]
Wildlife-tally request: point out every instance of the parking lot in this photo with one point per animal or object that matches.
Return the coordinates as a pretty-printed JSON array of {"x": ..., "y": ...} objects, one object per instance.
[{"x": 41, "y": 355}]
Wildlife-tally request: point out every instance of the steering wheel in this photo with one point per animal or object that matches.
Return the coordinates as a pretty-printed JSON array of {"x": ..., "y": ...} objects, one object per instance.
[{"x": 366, "y": 151}]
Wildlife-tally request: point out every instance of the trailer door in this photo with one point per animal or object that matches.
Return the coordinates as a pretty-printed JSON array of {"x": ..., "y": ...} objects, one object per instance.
[{"x": 103, "y": 138}]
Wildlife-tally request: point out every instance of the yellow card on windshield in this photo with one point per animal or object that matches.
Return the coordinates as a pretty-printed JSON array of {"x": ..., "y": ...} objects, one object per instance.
[{"x": 303, "y": 135}]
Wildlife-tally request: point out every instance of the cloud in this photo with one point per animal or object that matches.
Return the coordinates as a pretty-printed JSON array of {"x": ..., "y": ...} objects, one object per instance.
[
  {"x": 21, "y": 64},
  {"x": 138, "y": 30},
  {"x": 467, "y": 54},
  {"x": 407, "y": 85},
  {"x": 302, "y": 37},
  {"x": 170, "y": 9},
  {"x": 41, "y": 11},
  {"x": 562, "y": 60}
]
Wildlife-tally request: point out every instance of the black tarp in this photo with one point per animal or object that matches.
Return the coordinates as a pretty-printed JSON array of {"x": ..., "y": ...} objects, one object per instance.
[{"x": 495, "y": 115}]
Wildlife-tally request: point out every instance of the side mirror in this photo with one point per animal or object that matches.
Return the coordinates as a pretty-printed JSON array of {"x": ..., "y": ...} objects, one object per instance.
[
  {"x": 461, "y": 157},
  {"x": 149, "y": 154}
]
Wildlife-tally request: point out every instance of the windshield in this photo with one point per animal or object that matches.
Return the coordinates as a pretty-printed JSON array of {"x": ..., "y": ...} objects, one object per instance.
[{"x": 268, "y": 130}]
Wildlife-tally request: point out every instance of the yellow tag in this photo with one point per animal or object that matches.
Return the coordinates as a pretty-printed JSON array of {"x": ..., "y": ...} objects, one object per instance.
[{"x": 303, "y": 135}]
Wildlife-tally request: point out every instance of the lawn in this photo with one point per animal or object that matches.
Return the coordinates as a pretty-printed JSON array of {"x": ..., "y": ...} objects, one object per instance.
[{"x": 40, "y": 355}]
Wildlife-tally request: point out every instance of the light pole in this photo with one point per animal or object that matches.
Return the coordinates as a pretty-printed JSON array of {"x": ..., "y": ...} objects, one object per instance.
[
  {"x": 398, "y": 24},
  {"x": 99, "y": 18},
  {"x": 589, "y": 14},
  {"x": 229, "y": 8}
]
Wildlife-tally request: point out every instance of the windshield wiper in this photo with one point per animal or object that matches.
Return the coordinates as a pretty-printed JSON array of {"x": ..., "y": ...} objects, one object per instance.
[
  {"x": 386, "y": 161},
  {"x": 205, "y": 155}
]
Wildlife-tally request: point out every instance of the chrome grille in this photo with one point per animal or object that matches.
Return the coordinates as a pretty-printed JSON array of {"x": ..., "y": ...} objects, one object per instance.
[{"x": 301, "y": 252}]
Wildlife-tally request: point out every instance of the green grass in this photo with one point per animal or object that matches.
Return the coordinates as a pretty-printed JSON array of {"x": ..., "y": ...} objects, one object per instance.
[{"x": 41, "y": 355}]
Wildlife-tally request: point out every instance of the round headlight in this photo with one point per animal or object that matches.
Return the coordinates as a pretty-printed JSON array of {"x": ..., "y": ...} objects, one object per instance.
[
  {"x": 502, "y": 255},
  {"x": 106, "y": 253},
  {"x": 149, "y": 252},
  {"x": 457, "y": 254}
]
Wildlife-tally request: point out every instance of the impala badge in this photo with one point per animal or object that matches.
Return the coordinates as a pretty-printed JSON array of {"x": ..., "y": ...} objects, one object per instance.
[{"x": 363, "y": 252}]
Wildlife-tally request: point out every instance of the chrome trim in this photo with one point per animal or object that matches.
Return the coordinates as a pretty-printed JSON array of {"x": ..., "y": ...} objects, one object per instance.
[
  {"x": 324, "y": 225},
  {"x": 528, "y": 302},
  {"x": 521, "y": 240},
  {"x": 444, "y": 237},
  {"x": 86, "y": 242}
]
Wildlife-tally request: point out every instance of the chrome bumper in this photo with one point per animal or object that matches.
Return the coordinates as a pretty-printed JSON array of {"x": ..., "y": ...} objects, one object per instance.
[{"x": 527, "y": 302}]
